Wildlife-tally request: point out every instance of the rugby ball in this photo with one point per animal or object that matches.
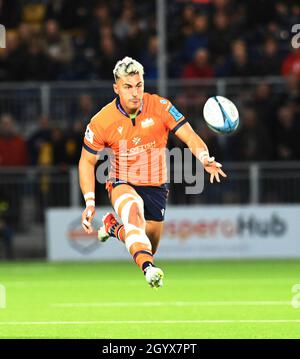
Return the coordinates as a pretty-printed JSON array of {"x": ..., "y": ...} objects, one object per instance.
[{"x": 221, "y": 114}]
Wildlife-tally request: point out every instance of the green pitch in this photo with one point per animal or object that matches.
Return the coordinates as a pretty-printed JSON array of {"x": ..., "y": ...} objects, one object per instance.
[{"x": 200, "y": 299}]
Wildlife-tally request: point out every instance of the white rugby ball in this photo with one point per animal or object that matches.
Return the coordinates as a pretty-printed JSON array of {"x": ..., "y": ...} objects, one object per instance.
[{"x": 221, "y": 114}]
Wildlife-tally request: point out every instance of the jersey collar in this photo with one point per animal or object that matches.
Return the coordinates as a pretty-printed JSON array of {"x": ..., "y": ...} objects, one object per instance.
[{"x": 121, "y": 109}]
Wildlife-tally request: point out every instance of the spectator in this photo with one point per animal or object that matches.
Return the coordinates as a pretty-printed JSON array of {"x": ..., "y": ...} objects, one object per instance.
[
  {"x": 106, "y": 58},
  {"x": 282, "y": 14},
  {"x": 199, "y": 67},
  {"x": 73, "y": 144},
  {"x": 295, "y": 14},
  {"x": 222, "y": 6},
  {"x": 135, "y": 40},
  {"x": 270, "y": 59},
  {"x": 69, "y": 13},
  {"x": 240, "y": 64},
  {"x": 25, "y": 35},
  {"x": 188, "y": 16},
  {"x": 291, "y": 64},
  {"x": 248, "y": 144},
  {"x": 272, "y": 29},
  {"x": 13, "y": 58},
  {"x": 287, "y": 138},
  {"x": 38, "y": 139},
  {"x": 122, "y": 26},
  {"x": 199, "y": 37},
  {"x": 101, "y": 15},
  {"x": 57, "y": 45},
  {"x": 13, "y": 149},
  {"x": 149, "y": 59},
  {"x": 82, "y": 65},
  {"x": 84, "y": 109},
  {"x": 292, "y": 88},
  {"x": 220, "y": 37},
  {"x": 49, "y": 145},
  {"x": 38, "y": 66},
  {"x": 265, "y": 105},
  {"x": 187, "y": 98},
  {"x": 101, "y": 20},
  {"x": 57, "y": 143}
]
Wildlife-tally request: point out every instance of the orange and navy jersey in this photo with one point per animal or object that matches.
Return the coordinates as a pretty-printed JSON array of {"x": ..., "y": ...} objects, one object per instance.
[{"x": 138, "y": 145}]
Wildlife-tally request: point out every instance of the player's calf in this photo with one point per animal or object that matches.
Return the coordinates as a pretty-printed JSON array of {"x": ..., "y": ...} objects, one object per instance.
[{"x": 130, "y": 208}]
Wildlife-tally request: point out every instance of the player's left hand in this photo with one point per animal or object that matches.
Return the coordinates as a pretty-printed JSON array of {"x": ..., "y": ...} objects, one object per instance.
[{"x": 213, "y": 168}]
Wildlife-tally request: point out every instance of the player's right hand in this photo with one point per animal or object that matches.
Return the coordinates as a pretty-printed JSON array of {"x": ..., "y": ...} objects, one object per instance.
[
  {"x": 213, "y": 168},
  {"x": 86, "y": 219}
]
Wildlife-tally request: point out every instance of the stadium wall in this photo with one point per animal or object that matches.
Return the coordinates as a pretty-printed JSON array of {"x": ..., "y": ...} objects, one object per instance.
[{"x": 194, "y": 232}]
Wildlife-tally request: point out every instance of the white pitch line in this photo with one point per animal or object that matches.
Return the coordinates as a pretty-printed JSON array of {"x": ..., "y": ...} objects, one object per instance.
[
  {"x": 204, "y": 281},
  {"x": 205, "y": 321},
  {"x": 167, "y": 304}
]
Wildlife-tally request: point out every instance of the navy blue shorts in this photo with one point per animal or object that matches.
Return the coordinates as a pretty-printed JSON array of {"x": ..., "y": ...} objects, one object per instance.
[{"x": 154, "y": 197}]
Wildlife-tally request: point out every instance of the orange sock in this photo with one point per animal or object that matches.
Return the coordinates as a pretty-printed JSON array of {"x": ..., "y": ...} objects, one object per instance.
[
  {"x": 119, "y": 232},
  {"x": 139, "y": 251},
  {"x": 141, "y": 255}
]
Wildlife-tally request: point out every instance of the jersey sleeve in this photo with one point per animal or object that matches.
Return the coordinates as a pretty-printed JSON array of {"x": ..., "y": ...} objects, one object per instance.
[
  {"x": 172, "y": 118},
  {"x": 93, "y": 139}
]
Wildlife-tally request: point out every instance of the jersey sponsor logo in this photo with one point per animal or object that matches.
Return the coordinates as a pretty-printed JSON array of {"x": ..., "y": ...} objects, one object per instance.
[
  {"x": 175, "y": 113},
  {"x": 147, "y": 122},
  {"x": 120, "y": 130},
  {"x": 136, "y": 140},
  {"x": 89, "y": 134},
  {"x": 138, "y": 149}
]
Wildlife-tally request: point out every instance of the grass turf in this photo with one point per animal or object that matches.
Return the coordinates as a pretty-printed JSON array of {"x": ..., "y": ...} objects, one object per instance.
[{"x": 113, "y": 300}]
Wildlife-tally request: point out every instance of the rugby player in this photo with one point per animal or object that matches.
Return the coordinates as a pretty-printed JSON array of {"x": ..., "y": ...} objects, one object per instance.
[{"x": 135, "y": 126}]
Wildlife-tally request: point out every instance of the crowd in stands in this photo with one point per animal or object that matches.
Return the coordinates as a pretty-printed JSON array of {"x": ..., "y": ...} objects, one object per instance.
[
  {"x": 269, "y": 130},
  {"x": 47, "y": 146},
  {"x": 82, "y": 40},
  {"x": 269, "y": 122}
]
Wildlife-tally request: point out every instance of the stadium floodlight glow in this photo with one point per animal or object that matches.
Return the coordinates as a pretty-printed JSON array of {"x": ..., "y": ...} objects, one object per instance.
[{"x": 2, "y": 297}]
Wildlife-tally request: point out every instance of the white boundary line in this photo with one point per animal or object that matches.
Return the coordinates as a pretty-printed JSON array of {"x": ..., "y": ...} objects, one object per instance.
[
  {"x": 226, "y": 321},
  {"x": 167, "y": 304}
]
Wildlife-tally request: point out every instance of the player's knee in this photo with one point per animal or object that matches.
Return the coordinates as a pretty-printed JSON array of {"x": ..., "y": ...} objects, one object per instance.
[
  {"x": 136, "y": 216},
  {"x": 130, "y": 208}
]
